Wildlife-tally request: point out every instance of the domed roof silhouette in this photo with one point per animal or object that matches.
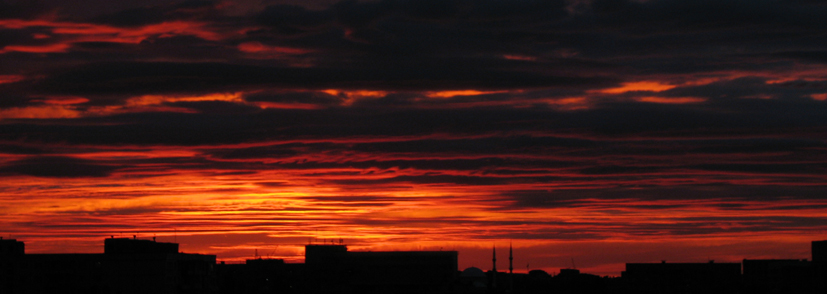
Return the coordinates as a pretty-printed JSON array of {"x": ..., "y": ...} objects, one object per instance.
[{"x": 472, "y": 272}]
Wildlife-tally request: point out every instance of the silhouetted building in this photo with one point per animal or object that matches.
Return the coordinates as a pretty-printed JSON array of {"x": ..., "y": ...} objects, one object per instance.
[
  {"x": 572, "y": 281},
  {"x": 567, "y": 272},
  {"x": 11, "y": 247},
  {"x": 819, "y": 251},
  {"x": 122, "y": 246},
  {"x": 383, "y": 272},
  {"x": 472, "y": 280},
  {"x": 326, "y": 255},
  {"x": 402, "y": 271},
  {"x": 126, "y": 266},
  {"x": 778, "y": 276},
  {"x": 262, "y": 276},
  {"x": 334, "y": 269},
  {"x": 683, "y": 277},
  {"x": 11, "y": 253}
]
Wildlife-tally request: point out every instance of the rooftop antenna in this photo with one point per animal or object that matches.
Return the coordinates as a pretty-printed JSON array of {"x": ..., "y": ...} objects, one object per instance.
[{"x": 572, "y": 264}]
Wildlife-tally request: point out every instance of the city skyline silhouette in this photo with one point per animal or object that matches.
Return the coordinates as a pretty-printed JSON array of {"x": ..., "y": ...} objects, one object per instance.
[{"x": 132, "y": 265}]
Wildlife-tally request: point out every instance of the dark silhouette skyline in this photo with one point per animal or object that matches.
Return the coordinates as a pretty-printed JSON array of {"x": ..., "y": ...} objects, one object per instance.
[{"x": 131, "y": 265}]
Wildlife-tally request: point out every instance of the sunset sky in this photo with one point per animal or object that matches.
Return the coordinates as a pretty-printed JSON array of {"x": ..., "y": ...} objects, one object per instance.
[{"x": 594, "y": 131}]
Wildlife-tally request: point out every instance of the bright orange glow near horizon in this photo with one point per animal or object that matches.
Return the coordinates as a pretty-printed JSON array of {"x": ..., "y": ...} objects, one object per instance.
[{"x": 233, "y": 213}]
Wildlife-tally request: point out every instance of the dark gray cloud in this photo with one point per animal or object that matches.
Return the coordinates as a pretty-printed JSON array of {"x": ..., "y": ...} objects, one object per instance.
[
  {"x": 57, "y": 167},
  {"x": 757, "y": 115}
]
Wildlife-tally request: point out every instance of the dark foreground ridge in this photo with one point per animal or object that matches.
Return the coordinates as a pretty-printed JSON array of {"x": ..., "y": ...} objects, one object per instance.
[{"x": 146, "y": 266}]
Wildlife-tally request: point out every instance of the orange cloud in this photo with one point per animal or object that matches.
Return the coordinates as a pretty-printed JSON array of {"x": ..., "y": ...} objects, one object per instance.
[
  {"x": 8, "y": 79},
  {"x": 49, "y": 48},
  {"x": 648, "y": 86},
  {"x": 40, "y": 112},
  {"x": 449, "y": 94},
  {"x": 82, "y": 32},
  {"x": 819, "y": 97},
  {"x": 670, "y": 100},
  {"x": 65, "y": 100},
  {"x": 159, "y": 99},
  {"x": 569, "y": 103},
  {"x": 257, "y": 47},
  {"x": 266, "y": 105},
  {"x": 353, "y": 95},
  {"x": 519, "y": 57}
]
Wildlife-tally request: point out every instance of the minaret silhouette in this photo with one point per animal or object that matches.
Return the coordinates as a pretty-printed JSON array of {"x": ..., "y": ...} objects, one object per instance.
[
  {"x": 494, "y": 259},
  {"x": 510, "y": 259},
  {"x": 494, "y": 270},
  {"x": 510, "y": 268}
]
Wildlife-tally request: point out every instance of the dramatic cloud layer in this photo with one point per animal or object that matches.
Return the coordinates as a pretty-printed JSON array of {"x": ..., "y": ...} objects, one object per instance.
[{"x": 607, "y": 131}]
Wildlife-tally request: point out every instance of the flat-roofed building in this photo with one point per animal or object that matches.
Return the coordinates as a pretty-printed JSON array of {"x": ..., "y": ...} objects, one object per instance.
[
  {"x": 778, "y": 275},
  {"x": 665, "y": 277},
  {"x": 126, "y": 266}
]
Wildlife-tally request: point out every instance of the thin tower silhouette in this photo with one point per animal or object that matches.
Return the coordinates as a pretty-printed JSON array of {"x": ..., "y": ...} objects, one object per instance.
[
  {"x": 494, "y": 269},
  {"x": 510, "y": 268},
  {"x": 510, "y": 259},
  {"x": 494, "y": 260}
]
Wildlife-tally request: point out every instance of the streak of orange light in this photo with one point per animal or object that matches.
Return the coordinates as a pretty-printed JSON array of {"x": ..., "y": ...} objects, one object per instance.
[
  {"x": 671, "y": 100},
  {"x": 449, "y": 94},
  {"x": 158, "y": 99},
  {"x": 7, "y": 79},
  {"x": 49, "y": 48},
  {"x": 353, "y": 95},
  {"x": 356, "y": 93},
  {"x": 274, "y": 105},
  {"x": 65, "y": 100},
  {"x": 519, "y": 57},
  {"x": 257, "y": 47},
  {"x": 84, "y": 32},
  {"x": 649, "y": 86},
  {"x": 39, "y": 112}
]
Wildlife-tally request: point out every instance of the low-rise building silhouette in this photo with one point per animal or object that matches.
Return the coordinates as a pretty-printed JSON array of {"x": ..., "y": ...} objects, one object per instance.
[
  {"x": 126, "y": 266},
  {"x": 11, "y": 247},
  {"x": 819, "y": 251},
  {"x": 778, "y": 276},
  {"x": 665, "y": 277}
]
